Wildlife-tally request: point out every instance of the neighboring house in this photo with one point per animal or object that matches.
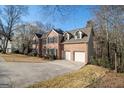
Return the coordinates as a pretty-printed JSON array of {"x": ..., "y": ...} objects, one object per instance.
[
  {"x": 9, "y": 46},
  {"x": 75, "y": 45}
]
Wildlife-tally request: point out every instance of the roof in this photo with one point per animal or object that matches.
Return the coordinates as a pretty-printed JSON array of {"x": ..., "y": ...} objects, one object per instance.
[
  {"x": 38, "y": 35},
  {"x": 45, "y": 35},
  {"x": 85, "y": 38},
  {"x": 58, "y": 31},
  {"x": 87, "y": 31}
]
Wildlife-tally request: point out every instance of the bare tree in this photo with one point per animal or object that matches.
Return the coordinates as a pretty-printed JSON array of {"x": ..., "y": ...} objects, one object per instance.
[
  {"x": 110, "y": 27},
  {"x": 25, "y": 33},
  {"x": 57, "y": 13},
  {"x": 9, "y": 18}
]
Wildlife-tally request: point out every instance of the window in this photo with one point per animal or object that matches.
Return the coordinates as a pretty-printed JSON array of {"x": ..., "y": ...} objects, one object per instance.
[
  {"x": 78, "y": 35},
  {"x": 44, "y": 52},
  {"x": 55, "y": 39},
  {"x": 52, "y": 39},
  {"x": 35, "y": 42},
  {"x": 52, "y": 51},
  {"x": 43, "y": 41},
  {"x": 66, "y": 36}
]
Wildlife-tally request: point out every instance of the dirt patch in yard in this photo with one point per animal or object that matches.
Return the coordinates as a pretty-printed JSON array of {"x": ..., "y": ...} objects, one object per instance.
[
  {"x": 21, "y": 58},
  {"x": 81, "y": 78}
]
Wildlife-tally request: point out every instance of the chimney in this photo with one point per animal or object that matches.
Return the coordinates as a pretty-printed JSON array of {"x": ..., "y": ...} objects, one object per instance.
[{"x": 90, "y": 23}]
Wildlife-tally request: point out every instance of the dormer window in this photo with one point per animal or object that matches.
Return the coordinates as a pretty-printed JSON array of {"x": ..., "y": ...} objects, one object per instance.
[
  {"x": 66, "y": 36},
  {"x": 78, "y": 35}
]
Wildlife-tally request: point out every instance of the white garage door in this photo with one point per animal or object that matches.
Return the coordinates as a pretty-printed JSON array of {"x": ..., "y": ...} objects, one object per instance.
[
  {"x": 68, "y": 55},
  {"x": 80, "y": 57}
]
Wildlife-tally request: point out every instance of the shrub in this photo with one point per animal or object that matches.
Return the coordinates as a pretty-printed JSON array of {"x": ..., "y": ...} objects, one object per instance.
[
  {"x": 25, "y": 51},
  {"x": 16, "y": 51},
  {"x": 33, "y": 53},
  {"x": 51, "y": 57},
  {"x": 1, "y": 50},
  {"x": 100, "y": 62},
  {"x": 46, "y": 57}
]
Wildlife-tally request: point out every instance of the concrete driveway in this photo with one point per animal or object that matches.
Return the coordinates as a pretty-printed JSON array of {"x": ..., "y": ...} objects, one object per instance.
[{"x": 14, "y": 74}]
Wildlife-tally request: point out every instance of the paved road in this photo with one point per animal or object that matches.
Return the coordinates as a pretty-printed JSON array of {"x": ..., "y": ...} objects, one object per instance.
[{"x": 14, "y": 74}]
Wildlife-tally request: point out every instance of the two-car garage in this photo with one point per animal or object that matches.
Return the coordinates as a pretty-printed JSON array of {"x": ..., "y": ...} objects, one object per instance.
[
  {"x": 76, "y": 52},
  {"x": 75, "y": 56}
]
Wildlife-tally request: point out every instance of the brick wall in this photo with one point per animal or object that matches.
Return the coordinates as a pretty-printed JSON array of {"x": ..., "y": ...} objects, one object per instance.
[{"x": 81, "y": 47}]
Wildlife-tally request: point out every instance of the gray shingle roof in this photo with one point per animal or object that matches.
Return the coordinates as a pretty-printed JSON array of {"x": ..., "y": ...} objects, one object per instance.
[
  {"x": 59, "y": 31},
  {"x": 45, "y": 35},
  {"x": 85, "y": 38},
  {"x": 38, "y": 35}
]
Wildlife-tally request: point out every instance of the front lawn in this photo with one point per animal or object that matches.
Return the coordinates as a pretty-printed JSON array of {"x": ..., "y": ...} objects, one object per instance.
[
  {"x": 81, "y": 78},
  {"x": 20, "y": 58},
  {"x": 110, "y": 80}
]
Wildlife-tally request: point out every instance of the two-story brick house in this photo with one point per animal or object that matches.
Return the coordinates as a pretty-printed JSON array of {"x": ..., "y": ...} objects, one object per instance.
[{"x": 75, "y": 45}]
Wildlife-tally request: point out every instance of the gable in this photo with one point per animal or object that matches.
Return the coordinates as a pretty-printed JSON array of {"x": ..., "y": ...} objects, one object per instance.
[
  {"x": 53, "y": 33},
  {"x": 86, "y": 32},
  {"x": 34, "y": 37}
]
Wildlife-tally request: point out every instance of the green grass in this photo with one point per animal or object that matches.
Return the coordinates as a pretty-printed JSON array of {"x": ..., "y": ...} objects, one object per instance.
[{"x": 81, "y": 78}]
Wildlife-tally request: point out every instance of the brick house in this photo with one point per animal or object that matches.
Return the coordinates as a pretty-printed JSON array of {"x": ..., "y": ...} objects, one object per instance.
[
  {"x": 9, "y": 45},
  {"x": 75, "y": 45},
  {"x": 37, "y": 43}
]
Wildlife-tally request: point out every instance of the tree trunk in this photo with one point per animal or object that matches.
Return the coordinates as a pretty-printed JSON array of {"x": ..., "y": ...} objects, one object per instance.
[
  {"x": 115, "y": 62},
  {"x": 108, "y": 52},
  {"x": 23, "y": 48},
  {"x": 5, "y": 45}
]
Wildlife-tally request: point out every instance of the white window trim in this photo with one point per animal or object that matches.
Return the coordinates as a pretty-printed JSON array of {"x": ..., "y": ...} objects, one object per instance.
[
  {"x": 76, "y": 37},
  {"x": 68, "y": 36},
  {"x": 80, "y": 35}
]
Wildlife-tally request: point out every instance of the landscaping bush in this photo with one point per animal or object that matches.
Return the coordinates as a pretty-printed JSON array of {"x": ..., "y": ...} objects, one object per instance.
[
  {"x": 105, "y": 63},
  {"x": 100, "y": 62},
  {"x": 33, "y": 53},
  {"x": 0, "y": 50},
  {"x": 25, "y": 51},
  {"x": 52, "y": 57},
  {"x": 15, "y": 51},
  {"x": 45, "y": 57}
]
